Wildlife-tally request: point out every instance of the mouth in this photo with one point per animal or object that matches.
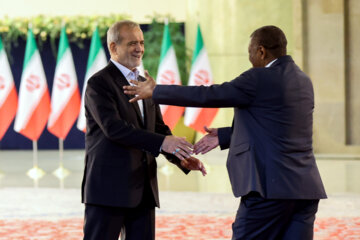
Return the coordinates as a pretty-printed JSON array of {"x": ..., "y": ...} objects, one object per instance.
[{"x": 137, "y": 56}]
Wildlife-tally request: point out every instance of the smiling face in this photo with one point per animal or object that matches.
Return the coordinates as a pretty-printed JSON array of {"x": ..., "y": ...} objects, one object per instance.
[{"x": 130, "y": 50}]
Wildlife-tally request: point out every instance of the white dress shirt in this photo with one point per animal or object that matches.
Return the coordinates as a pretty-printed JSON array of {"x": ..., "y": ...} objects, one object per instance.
[
  {"x": 270, "y": 63},
  {"x": 130, "y": 75}
]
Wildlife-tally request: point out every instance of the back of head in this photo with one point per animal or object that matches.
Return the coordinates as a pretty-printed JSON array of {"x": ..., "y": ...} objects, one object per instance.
[
  {"x": 272, "y": 39},
  {"x": 113, "y": 33}
]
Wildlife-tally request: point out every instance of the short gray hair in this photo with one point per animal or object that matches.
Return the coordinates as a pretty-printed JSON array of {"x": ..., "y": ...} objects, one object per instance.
[{"x": 113, "y": 34}]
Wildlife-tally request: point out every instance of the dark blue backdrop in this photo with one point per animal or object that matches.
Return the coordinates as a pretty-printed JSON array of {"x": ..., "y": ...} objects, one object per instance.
[{"x": 75, "y": 138}]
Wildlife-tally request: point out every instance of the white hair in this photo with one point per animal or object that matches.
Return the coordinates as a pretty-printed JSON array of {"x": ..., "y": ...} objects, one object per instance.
[{"x": 113, "y": 33}]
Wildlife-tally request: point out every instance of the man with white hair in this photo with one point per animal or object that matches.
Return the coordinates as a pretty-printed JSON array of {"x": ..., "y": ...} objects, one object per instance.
[{"x": 120, "y": 187}]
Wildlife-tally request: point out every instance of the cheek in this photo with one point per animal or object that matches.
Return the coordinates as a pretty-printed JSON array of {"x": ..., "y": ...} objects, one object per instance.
[
  {"x": 251, "y": 58},
  {"x": 120, "y": 53}
]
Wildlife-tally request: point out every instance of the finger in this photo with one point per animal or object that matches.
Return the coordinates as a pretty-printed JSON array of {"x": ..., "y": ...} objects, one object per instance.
[
  {"x": 207, "y": 129},
  {"x": 134, "y": 82},
  {"x": 203, "y": 171},
  {"x": 134, "y": 99},
  {"x": 128, "y": 87},
  {"x": 200, "y": 149},
  {"x": 199, "y": 143},
  {"x": 130, "y": 92},
  {"x": 147, "y": 76},
  {"x": 186, "y": 143},
  {"x": 185, "y": 153}
]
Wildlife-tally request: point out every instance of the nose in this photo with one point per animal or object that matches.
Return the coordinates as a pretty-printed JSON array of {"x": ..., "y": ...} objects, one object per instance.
[{"x": 139, "y": 47}]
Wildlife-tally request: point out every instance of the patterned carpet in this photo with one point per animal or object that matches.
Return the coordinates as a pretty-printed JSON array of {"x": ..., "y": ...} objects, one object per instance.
[
  {"x": 57, "y": 215},
  {"x": 179, "y": 227}
]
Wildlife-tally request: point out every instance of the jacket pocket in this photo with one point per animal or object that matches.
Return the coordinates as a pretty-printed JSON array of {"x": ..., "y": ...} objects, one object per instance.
[{"x": 240, "y": 148}]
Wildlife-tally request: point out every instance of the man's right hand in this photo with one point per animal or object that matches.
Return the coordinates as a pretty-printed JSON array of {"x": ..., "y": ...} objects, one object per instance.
[
  {"x": 141, "y": 90},
  {"x": 208, "y": 142},
  {"x": 178, "y": 146}
]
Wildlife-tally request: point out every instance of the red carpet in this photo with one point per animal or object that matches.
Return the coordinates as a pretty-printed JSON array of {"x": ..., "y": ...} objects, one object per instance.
[{"x": 174, "y": 227}]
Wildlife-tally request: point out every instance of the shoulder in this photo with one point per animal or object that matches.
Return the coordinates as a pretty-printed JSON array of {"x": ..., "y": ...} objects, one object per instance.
[
  {"x": 254, "y": 73},
  {"x": 102, "y": 76},
  {"x": 251, "y": 76}
]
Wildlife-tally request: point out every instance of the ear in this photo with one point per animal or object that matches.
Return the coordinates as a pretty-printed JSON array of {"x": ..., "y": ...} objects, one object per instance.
[
  {"x": 262, "y": 52},
  {"x": 112, "y": 47}
]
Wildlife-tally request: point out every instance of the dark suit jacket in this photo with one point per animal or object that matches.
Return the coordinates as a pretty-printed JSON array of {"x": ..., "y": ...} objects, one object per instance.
[
  {"x": 271, "y": 138},
  {"x": 118, "y": 144}
]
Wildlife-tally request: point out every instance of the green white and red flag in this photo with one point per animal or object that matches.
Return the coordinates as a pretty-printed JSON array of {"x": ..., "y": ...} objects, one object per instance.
[
  {"x": 200, "y": 74},
  {"x": 168, "y": 74},
  {"x": 8, "y": 94},
  {"x": 65, "y": 96},
  {"x": 34, "y": 99},
  {"x": 96, "y": 61}
]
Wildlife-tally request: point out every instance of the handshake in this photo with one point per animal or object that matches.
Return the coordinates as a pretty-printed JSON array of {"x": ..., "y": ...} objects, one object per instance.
[{"x": 183, "y": 150}]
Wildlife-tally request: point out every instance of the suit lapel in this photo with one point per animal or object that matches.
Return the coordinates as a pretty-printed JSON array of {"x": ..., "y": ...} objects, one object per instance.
[
  {"x": 147, "y": 106},
  {"x": 121, "y": 81}
]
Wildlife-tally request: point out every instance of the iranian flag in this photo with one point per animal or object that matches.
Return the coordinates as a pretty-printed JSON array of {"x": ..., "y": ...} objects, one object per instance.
[
  {"x": 200, "y": 74},
  {"x": 96, "y": 61},
  {"x": 65, "y": 97},
  {"x": 34, "y": 100},
  {"x": 168, "y": 74},
  {"x": 8, "y": 95}
]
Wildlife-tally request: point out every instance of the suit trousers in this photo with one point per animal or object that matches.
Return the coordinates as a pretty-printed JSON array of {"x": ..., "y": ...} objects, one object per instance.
[
  {"x": 287, "y": 219},
  {"x": 105, "y": 222}
]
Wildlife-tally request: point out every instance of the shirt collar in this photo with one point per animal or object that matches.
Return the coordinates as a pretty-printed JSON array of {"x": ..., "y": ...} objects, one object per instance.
[
  {"x": 129, "y": 75},
  {"x": 270, "y": 63}
]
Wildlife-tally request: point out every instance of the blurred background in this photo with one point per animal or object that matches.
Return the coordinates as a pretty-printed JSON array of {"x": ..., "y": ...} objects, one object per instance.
[{"x": 323, "y": 38}]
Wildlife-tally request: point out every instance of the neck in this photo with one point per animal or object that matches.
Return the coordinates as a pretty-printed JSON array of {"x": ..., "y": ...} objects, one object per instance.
[{"x": 268, "y": 60}]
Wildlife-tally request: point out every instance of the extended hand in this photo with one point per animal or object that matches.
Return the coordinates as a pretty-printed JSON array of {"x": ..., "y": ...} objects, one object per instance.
[
  {"x": 193, "y": 163},
  {"x": 208, "y": 142},
  {"x": 177, "y": 146},
  {"x": 141, "y": 90}
]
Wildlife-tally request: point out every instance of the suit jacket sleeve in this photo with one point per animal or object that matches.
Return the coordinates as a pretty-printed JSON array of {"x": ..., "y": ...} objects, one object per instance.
[
  {"x": 240, "y": 92},
  {"x": 224, "y": 135},
  {"x": 101, "y": 102}
]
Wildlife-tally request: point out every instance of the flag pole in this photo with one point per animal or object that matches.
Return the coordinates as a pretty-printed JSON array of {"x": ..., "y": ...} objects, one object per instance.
[
  {"x": 35, "y": 162},
  {"x": 61, "y": 154},
  {"x": 35, "y": 172},
  {"x": 61, "y": 173}
]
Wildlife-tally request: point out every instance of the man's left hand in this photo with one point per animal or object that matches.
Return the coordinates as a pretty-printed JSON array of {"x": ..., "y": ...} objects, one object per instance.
[
  {"x": 141, "y": 90},
  {"x": 193, "y": 163}
]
